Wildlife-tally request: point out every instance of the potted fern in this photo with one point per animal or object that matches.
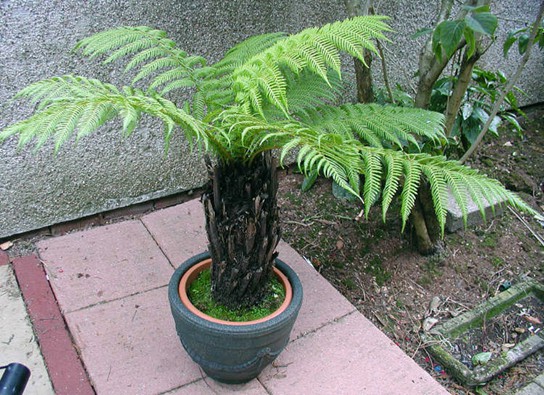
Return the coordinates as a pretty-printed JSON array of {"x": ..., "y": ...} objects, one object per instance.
[{"x": 272, "y": 92}]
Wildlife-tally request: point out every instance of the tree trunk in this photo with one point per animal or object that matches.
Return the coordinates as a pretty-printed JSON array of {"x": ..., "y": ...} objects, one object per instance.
[
  {"x": 363, "y": 75},
  {"x": 424, "y": 220},
  {"x": 461, "y": 87},
  {"x": 242, "y": 223}
]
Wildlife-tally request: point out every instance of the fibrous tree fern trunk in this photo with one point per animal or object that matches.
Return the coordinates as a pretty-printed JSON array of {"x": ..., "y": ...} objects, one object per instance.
[
  {"x": 363, "y": 72},
  {"x": 242, "y": 224},
  {"x": 426, "y": 226}
]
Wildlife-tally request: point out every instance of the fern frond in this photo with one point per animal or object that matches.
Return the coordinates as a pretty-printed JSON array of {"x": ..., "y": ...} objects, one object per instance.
[
  {"x": 151, "y": 51},
  {"x": 439, "y": 193},
  {"x": 315, "y": 49},
  {"x": 87, "y": 104},
  {"x": 394, "y": 167},
  {"x": 375, "y": 124},
  {"x": 412, "y": 179},
  {"x": 246, "y": 49},
  {"x": 372, "y": 170}
]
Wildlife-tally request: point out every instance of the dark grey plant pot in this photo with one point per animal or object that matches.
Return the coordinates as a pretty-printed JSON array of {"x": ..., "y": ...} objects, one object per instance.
[{"x": 233, "y": 354}]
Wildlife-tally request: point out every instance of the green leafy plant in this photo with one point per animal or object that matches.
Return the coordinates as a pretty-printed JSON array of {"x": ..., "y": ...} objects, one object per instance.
[
  {"x": 272, "y": 91},
  {"x": 448, "y": 35},
  {"x": 476, "y": 106},
  {"x": 522, "y": 37}
]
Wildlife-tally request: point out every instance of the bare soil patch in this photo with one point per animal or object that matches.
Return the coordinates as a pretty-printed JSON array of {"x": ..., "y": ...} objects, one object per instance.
[{"x": 375, "y": 266}]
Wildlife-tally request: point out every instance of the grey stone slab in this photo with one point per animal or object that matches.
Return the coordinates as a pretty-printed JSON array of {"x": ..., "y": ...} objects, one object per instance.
[
  {"x": 531, "y": 389},
  {"x": 17, "y": 340},
  {"x": 540, "y": 380},
  {"x": 454, "y": 216},
  {"x": 102, "y": 264}
]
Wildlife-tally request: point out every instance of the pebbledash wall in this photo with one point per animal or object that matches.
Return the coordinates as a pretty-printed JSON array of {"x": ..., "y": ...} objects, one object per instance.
[{"x": 105, "y": 171}]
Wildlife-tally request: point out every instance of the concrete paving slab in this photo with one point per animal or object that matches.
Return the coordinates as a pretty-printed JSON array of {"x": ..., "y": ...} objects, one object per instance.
[
  {"x": 130, "y": 345},
  {"x": 349, "y": 356},
  {"x": 322, "y": 303},
  {"x": 179, "y": 230},
  {"x": 103, "y": 264},
  {"x": 4, "y": 258},
  {"x": 208, "y": 386},
  {"x": 17, "y": 341}
]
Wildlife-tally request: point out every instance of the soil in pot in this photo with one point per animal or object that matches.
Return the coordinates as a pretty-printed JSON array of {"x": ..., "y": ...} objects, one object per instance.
[{"x": 200, "y": 295}]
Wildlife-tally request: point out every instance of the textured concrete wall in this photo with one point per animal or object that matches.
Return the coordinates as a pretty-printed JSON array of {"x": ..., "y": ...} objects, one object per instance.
[{"x": 105, "y": 171}]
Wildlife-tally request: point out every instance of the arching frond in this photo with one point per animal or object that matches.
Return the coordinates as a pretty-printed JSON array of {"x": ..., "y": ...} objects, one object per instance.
[
  {"x": 152, "y": 53},
  {"x": 394, "y": 170},
  {"x": 375, "y": 124},
  {"x": 315, "y": 49},
  {"x": 83, "y": 105}
]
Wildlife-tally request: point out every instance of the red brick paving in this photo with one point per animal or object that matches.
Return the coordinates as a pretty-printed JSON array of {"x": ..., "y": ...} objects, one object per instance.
[{"x": 65, "y": 368}]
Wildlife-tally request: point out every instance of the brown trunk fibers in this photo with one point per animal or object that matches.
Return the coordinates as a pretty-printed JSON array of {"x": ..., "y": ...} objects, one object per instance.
[{"x": 242, "y": 222}]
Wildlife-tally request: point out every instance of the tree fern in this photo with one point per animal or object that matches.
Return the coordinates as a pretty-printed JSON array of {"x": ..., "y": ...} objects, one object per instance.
[{"x": 272, "y": 91}]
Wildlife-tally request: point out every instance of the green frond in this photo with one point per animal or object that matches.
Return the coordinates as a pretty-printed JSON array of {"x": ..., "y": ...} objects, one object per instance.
[
  {"x": 315, "y": 49},
  {"x": 151, "y": 51},
  {"x": 307, "y": 91},
  {"x": 375, "y": 124},
  {"x": 372, "y": 170},
  {"x": 412, "y": 179},
  {"x": 246, "y": 49},
  {"x": 111, "y": 40},
  {"x": 394, "y": 167},
  {"x": 156, "y": 65},
  {"x": 87, "y": 104}
]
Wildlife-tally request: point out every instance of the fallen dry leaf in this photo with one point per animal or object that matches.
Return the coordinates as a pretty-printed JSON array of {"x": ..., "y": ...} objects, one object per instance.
[
  {"x": 428, "y": 323},
  {"x": 434, "y": 304},
  {"x": 507, "y": 346},
  {"x": 5, "y": 246},
  {"x": 532, "y": 320}
]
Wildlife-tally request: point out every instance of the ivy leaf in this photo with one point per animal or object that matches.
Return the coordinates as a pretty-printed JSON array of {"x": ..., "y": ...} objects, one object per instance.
[
  {"x": 484, "y": 22},
  {"x": 482, "y": 8},
  {"x": 421, "y": 32},
  {"x": 471, "y": 42},
  {"x": 481, "y": 358},
  {"x": 522, "y": 43},
  {"x": 450, "y": 35},
  {"x": 309, "y": 181},
  {"x": 437, "y": 48}
]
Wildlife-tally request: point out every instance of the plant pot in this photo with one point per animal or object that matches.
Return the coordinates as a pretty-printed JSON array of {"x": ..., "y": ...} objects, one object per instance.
[{"x": 231, "y": 352}]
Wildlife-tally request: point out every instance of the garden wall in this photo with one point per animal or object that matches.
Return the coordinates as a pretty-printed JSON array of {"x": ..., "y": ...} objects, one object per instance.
[{"x": 105, "y": 171}]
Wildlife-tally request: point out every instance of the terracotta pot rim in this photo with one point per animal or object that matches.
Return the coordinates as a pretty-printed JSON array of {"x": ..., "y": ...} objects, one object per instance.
[{"x": 190, "y": 275}]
